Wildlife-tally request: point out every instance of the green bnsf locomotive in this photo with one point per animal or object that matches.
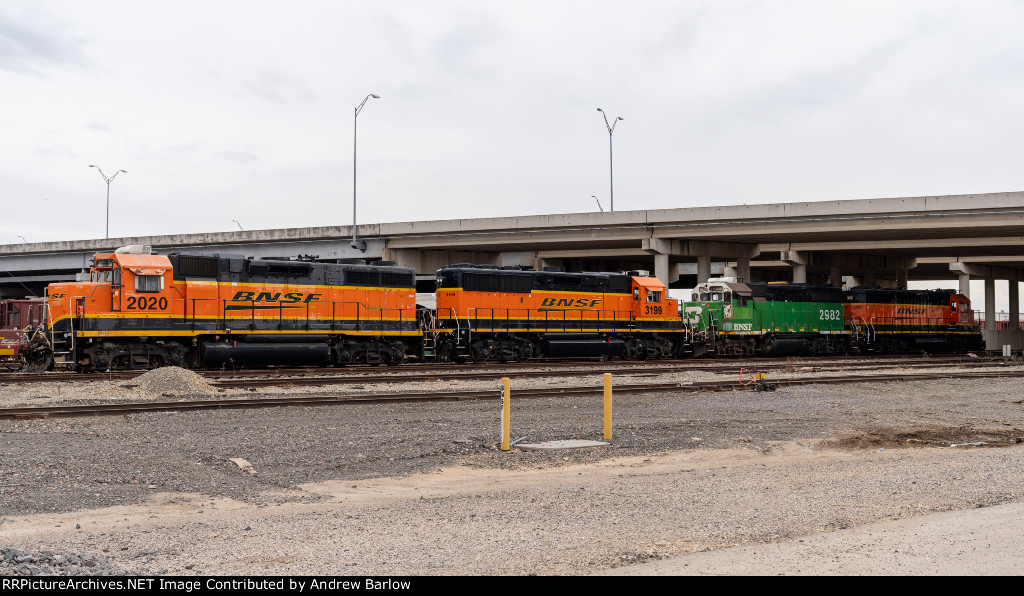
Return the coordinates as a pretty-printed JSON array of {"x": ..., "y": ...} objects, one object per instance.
[{"x": 746, "y": 319}]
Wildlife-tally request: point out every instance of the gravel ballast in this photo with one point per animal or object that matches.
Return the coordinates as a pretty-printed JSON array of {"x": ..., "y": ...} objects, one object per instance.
[{"x": 422, "y": 488}]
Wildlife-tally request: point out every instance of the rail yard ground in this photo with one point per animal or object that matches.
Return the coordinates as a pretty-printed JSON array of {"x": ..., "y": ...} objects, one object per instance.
[{"x": 890, "y": 478}]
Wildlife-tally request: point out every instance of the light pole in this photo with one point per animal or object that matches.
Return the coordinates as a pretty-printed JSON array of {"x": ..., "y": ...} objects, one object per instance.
[
  {"x": 356, "y": 243},
  {"x": 611, "y": 172},
  {"x": 598, "y": 203},
  {"x": 238, "y": 224},
  {"x": 108, "y": 181}
]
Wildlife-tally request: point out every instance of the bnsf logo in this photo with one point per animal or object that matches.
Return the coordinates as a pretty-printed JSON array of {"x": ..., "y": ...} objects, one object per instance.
[
  {"x": 911, "y": 311},
  {"x": 57, "y": 296},
  {"x": 289, "y": 298},
  {"x": 570, "y": 303}
]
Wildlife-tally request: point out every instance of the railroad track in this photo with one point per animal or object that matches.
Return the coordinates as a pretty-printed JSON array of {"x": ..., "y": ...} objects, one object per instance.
[
  {"x": 121, "y": 409},
  {"x": 313, "y": 377}
]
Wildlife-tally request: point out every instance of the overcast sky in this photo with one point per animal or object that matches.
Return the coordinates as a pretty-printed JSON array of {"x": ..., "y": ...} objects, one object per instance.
[{"x": 228, "y": 110}]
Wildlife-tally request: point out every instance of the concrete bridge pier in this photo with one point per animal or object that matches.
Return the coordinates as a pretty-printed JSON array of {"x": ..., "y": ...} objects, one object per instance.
[
  {"x": 1014, "y": 295},
  {"x": 965, "y": 284}
]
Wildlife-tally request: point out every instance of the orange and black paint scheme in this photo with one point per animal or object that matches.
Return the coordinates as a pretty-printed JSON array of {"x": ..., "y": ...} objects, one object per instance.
[
  {"x": 891, "y": 320},
  {"x": 140, "y": 310},
  {"x": 511, "y": 313}
]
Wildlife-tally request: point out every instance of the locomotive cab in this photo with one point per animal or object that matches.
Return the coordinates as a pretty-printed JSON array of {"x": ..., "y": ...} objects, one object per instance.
[
  {"x": 650, "y": 298},
  {"x": 129, "y": 280}
]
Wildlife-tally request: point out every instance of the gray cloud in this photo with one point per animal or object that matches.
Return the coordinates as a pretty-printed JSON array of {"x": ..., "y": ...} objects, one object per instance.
[
  {"x": 242, "y": 157},
  {"x": 279, "y": 86},
  {"x": 32, "y": 40}
]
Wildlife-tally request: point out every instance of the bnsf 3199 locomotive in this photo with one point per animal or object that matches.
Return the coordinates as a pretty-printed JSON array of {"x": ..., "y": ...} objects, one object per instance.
[{"x": 513, "y": 313}]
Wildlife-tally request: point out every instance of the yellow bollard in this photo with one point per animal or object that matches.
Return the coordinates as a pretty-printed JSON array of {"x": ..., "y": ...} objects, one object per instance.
[
  {"x": 506, "y": 410},
  {"x": 607, "y": 406}
]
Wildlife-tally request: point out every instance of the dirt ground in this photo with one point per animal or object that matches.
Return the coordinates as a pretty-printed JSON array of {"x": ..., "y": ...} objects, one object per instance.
[{"x": 910, "y": 478}]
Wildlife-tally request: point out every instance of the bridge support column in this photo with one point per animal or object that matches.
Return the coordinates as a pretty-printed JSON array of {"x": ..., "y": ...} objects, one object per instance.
[
  {"x": 835, "y": 276},
  {"x": 869, "y": 277},
  {"x": 965, "y": 284},
  {"x": 990, "y": 304},
  {"x": 1014, "y": 292},
  {"x": 798, "y": 260},
  {"x": 901, "y": 279},
  {"x": 743, "y": 268},
  {"x": 799, "y": 274},
  {"x": 703, "y": 268},
  {"x": 661, "y": 269},
  {"x": 518, "y": 258}
]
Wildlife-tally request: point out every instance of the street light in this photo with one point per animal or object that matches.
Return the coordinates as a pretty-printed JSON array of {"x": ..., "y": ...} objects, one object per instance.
[
  {"x": 356, "y": 243},
  {"x": 108, "y": 181},
  {"x": 23, "y": 239},
  {"x": 598, "y": 203},
  {"x": 611, "y": 174},
  {"x": 238, "y": 224}
]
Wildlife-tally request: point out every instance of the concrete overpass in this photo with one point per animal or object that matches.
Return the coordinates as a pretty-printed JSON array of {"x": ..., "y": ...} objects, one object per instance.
[{"x": 866, "y": 242}]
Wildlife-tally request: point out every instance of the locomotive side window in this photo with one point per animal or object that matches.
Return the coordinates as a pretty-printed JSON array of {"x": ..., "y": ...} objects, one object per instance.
[
  {"x": 705, "y": 297},
  {"x": 654, "y": 296},
  {"x": 694, "y": 297},
  {"x": 716, "y": 296},
  {"x": 149, "y": 283},
  {"x": 636, "y": 293}
]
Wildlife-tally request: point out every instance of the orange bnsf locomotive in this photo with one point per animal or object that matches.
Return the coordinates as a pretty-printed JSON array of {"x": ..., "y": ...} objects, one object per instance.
[
  {"x": 888, "y": 320},
  {"x": 140, "y": 310},
  {"x": 512, "y": 313}
]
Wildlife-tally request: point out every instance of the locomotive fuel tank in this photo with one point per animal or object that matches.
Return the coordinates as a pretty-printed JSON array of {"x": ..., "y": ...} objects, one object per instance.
[
  {"x": 265, "y": 353},
  {"x": 567, "y": 345}
]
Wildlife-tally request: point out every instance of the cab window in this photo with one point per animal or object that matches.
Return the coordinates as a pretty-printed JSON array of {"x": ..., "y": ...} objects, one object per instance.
[
  {"x": 149, "y": 283},
  {"x": 636, "y": 293},
  {"x": 653, "y": 296},
  {"x": 716, "y": 297},
  {"x": 705, "y": 297}
]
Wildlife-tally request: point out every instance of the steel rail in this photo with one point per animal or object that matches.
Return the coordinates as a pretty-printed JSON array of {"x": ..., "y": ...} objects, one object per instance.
[
  {"x": 427, "y": 372},
  {"x": 125, "y": 408}
]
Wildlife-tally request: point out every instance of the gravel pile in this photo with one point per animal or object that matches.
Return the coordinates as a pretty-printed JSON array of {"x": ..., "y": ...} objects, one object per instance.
[
  {"x": 172, "y": 380},
  {"x": 17, "y": 562}
]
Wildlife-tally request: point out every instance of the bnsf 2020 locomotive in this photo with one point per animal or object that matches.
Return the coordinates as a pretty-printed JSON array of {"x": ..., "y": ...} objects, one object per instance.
[{"x": 139, "y": 310}]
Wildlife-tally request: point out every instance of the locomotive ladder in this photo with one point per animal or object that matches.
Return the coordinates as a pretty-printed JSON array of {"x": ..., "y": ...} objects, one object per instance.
[{"x": 62, "y": 345}]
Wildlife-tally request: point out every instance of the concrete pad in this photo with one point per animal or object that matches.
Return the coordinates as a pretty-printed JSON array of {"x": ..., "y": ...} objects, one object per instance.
[{"x": 571, "y": 444}]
